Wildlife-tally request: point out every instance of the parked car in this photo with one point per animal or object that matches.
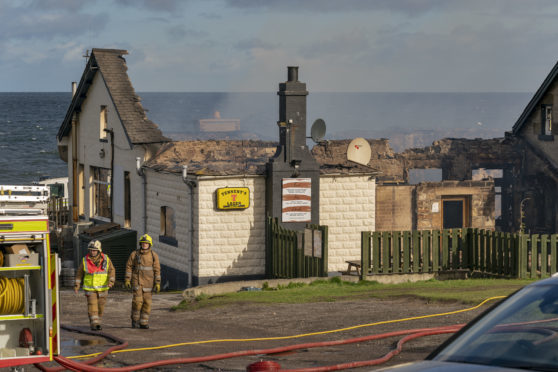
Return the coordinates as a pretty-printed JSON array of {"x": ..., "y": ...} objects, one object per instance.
[{"x": 519, "y": 333}]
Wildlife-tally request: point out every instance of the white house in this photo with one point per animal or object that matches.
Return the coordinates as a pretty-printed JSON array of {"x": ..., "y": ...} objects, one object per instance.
[{"x": 105, "y": 129}]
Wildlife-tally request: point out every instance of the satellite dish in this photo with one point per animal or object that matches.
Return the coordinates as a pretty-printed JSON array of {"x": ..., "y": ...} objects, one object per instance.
[
  {"x": 318, "y": 130},
  {"x": 359, "y": 151}
]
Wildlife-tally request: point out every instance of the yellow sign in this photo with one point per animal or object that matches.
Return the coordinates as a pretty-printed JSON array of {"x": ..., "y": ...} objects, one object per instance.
[{"x": 233, "y": 198}]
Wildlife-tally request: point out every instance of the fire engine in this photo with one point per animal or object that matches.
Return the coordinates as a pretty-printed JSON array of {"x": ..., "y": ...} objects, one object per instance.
[{"x": 29, "y": 297}]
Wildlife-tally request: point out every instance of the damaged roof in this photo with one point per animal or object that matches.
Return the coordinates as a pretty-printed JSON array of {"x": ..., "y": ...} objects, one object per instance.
[
  {"x": 111, "y": 64},
  {"x": 245, "y": 157}
]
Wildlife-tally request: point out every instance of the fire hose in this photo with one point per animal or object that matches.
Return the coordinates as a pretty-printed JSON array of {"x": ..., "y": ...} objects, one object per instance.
[
  {"x": 410, "y": 335},
  {"x": 12, "y": 297}
]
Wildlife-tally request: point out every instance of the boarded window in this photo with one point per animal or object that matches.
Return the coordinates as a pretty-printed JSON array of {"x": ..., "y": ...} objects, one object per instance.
[
  {"x": 168, "y": 224},
  {"x": 101, "y": 192}
]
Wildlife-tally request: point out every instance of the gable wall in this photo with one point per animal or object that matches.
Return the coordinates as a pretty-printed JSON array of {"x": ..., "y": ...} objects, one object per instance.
[
  {"x": 533, "y": 126},
  {"x": 89, "y": 147},
  {"x": 347, "y": 207}
]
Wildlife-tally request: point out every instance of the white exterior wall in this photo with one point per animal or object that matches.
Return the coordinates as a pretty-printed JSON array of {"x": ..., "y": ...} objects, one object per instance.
[
  {"x": 347, "y": 207},
  {"x": 165, "y": 189},
  {"x": 89, "y": 146},
  {"x": 231, "y": 242}
]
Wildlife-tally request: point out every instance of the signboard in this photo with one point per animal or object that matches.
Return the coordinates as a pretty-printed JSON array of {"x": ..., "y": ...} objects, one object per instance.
[
  {"x": 296, "y": 200},
  {"x": 233, "y": 198}
]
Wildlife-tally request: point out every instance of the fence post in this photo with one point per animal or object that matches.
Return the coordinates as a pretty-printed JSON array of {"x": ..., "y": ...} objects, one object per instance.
[
  {"x": 325, "y": 268},
  {"x": 522, "y": 256},
  {"x": 553, "y": 258},
  {"x": 364, "y": 254},
  {"x": 436, "y": 250}
]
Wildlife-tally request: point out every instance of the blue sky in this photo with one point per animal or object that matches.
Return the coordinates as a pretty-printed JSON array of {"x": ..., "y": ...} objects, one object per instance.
[{"x": 246, "y": 45}]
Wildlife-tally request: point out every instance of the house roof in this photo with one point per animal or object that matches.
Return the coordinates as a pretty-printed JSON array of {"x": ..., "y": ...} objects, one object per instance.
[
  {"x": 214, "y": 157},
  {"x": 111, "y": 64},
  {"x": 244, "y": 157},
  {"x": 535, "y": 100}
]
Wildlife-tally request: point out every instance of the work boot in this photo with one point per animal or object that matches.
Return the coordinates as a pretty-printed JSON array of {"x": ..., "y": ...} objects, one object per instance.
[
  {"x": 135, "y": 324},
  {"x": 98, "y": 327},
  {"x": 144, "y": 326},
  {"x": 95, "y": 327}
]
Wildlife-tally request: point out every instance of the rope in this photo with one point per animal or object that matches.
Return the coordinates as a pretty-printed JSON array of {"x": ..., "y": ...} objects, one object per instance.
[{"x": 12, "y": 297}]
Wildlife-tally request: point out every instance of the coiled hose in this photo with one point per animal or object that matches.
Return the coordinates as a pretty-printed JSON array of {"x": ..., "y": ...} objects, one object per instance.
[{"x": 12, "y": 296}]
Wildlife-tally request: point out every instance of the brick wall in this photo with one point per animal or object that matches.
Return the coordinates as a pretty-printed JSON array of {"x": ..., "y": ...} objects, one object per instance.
[
  {"x": 394, "y": 208},
  {"x": 347, "y": 207}
]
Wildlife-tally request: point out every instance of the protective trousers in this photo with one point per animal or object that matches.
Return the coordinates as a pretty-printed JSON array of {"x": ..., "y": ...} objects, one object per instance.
[
  {"x": 141, "y": 306},
  {"x": 96, "y": 305}
]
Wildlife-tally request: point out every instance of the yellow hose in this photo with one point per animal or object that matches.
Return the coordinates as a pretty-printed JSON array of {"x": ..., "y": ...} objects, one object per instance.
[{"x": 12, "y": 297}]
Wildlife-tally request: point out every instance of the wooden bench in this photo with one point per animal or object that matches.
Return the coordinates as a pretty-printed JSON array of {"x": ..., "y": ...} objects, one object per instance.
[{"x": 353, "y": 264}]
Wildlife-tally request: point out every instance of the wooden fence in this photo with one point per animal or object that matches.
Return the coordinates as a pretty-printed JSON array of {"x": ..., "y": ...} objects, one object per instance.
[
  {"x": 429, "y": 251},
  {"x": 295, "y": 254}
]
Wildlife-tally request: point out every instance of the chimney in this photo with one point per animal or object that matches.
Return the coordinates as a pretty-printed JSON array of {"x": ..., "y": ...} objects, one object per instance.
[{"x": 292, "y": 115}]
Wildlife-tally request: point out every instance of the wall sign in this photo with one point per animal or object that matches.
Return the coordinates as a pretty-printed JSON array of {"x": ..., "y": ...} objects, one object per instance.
[
  {"x": 296, "y": 200},
  {"x": 233, "y": 198}
]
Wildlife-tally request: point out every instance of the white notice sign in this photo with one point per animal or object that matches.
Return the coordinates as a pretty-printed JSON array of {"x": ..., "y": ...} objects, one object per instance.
[{"x": 297, "y": 200}]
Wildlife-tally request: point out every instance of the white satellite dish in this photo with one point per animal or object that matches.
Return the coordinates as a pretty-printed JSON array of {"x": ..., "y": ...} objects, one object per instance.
[{"x": 359, "y": 151}]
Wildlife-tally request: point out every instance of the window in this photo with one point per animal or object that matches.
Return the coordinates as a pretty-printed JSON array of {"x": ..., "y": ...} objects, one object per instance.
[
  {"x": 417, "y": 175},
  {"x": 103, "y": 122},
  {"x": 455, "y": 212},
  {"x": 168, "y": 226},
  {"x": 546, "y": 123},
  {"x": 101, "y": 192}
]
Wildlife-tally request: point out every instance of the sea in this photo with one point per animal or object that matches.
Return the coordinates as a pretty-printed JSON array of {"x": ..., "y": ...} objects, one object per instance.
[{"x": 29, "y": 122}]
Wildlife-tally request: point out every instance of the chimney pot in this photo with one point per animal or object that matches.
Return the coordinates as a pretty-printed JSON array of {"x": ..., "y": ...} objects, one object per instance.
[{"x": 293, "y": 73}]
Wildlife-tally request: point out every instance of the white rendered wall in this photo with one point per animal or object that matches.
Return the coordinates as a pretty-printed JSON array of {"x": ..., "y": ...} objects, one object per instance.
[
  {"x": 231, "y": 242},
  {"x": 347, "y": 207}
]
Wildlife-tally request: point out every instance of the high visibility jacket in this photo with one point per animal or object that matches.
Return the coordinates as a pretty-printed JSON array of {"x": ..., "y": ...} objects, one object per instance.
[{"x": 96, "y": 278}]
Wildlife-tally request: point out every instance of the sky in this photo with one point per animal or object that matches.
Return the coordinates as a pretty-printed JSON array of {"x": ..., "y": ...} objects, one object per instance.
[{"x": 246, "y": 45}]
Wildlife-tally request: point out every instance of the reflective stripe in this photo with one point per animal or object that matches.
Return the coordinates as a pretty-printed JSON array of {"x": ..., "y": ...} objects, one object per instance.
[
  {"x": 146, "y": 268},
  {"x": 147, "y": 289}
]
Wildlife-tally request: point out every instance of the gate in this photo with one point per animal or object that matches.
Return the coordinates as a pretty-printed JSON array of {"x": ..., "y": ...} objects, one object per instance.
[{"x": 295, "y": 254}]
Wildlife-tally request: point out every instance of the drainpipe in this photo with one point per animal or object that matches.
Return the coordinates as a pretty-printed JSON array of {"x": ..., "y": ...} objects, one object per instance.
[
  {"x": 75, "y": 210},
  {"x": 141, "y": 173},
  {"x": 191, "y": 185},
  {"x": 111, "y": 132}
]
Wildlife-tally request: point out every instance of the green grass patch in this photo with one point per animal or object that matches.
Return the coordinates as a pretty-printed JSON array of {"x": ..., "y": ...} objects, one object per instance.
[{"x": 469, "y": 291}]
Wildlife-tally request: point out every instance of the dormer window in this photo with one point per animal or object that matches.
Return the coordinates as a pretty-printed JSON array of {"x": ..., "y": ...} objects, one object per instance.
[{"x": 103, "y": 122}]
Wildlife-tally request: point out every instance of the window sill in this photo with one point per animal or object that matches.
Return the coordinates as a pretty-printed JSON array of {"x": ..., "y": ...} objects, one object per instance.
[
  {"x": 546, "y": 137},
  {"x": 168, "y": 240}
]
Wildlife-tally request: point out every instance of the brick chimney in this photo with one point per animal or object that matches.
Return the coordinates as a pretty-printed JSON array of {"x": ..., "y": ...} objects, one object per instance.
[{"x": 293, "y": 159}]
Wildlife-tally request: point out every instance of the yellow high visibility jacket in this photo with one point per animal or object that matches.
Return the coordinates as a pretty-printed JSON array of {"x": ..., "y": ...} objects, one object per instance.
[{"x": 96, "y": 278}]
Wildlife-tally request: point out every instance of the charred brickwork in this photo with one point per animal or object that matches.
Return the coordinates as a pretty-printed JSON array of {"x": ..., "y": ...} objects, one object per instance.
[{"x": 526, "y": 179}]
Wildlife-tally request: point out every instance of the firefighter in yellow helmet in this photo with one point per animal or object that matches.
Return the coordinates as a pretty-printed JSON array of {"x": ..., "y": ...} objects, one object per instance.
[
  {"x": 143, "y": 276},
  {"x": 97, "y": 273}
]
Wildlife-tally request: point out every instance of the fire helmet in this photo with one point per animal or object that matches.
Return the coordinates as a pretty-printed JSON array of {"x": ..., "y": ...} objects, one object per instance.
[
  {"x": 145, "y": 238},
  {"x": 94, "y": 245}
]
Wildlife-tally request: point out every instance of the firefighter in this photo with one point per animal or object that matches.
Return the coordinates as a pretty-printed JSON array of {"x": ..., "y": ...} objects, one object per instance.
[
  {"x": 98, "y": 274},
  {"x": 143, "y": 276}
]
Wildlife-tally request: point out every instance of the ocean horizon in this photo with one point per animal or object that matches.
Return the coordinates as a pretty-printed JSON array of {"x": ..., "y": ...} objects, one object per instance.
[{"x": 29, "y": 121}]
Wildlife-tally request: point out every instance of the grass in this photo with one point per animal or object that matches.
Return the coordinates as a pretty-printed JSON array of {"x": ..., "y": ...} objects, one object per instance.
[{"x": 469, "y": 291}]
